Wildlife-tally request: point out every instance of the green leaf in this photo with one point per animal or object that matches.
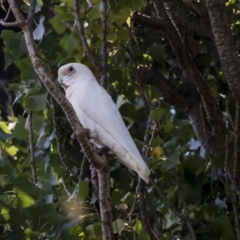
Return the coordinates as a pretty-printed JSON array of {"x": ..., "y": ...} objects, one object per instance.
[
  {"x": 123, "y": 34},
  {"x": 20, "y": 130},
  {"x": 171, "y": 160},
  {"x": 36, "y": 102},
  {"x": 118, "y": 226},
  {"x": 57, "y": 25},
  {"x": 15, "y": 43},
  {"x": 157, "y": 113},
  {"x": 117, "y": 195},
  {"x": 94, "y": 231},
  {"x": 156, "y": 142},
  {"x": 26, "y": 192},
  {"x": 68, "y": 42},
  {"x": 168, "y": 126},
  {"x": 83, "y": 188},
  {"x": 157, "y": 52},
  {"x": 224, "y": 227},
  {"x": 4, "y": 136}
]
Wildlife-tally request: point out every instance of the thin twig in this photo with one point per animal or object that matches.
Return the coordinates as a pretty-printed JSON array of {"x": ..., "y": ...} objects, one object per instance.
[
  {"x": 103, "y": 79},
  {"x": 11, "y": 24},
  {"x": 65, "y": 186},
  {"x": 185, "y": 207},
  {"x": 58, "y": 141},
  {"x": 1, "y": 151},
  {"x": 229, "y": 115},
  {"x": 167, "y": 202},
  {"x": 7, "y": 15},
  {"x": 132, "y": 209},
  {"x": 144, "y": 213},
  {"x": 146, "y": 141},
  {"x": 31, "y": 148},
  {"x": 81, "y": 34},
  {"x": 31, "y": 11},
  {"x": 84, "y": 168}
]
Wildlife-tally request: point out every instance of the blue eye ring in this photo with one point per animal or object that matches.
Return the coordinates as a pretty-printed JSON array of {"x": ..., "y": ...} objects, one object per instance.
[{"x": 71, "y": 70}]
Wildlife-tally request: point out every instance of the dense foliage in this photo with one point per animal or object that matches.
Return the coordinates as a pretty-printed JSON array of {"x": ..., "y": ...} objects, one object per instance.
[{"x": 46, "y": 188}]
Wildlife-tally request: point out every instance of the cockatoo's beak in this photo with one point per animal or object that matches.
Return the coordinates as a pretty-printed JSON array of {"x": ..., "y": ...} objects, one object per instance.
[{"x": 60, "y": 80}]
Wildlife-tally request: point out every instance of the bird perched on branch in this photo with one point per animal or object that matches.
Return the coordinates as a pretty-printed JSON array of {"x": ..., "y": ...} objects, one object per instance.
[{"x": 98, "y": 113}]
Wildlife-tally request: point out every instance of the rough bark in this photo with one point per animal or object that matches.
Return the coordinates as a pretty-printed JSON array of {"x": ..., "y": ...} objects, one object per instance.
[{"x": 225, "y": 46}]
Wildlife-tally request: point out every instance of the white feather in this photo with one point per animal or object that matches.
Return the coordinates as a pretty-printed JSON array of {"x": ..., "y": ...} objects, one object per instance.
[{"x": 98, "y": 113}]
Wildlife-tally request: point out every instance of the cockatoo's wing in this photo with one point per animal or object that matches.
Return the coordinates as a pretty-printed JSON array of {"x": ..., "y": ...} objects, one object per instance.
[
  {"x": 110, "y": 129},
  {"x": 97, "y": 112}
]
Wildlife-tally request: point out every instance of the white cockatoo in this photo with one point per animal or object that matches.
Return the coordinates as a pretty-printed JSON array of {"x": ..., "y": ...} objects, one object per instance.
[{"x": 98, "y": 113}]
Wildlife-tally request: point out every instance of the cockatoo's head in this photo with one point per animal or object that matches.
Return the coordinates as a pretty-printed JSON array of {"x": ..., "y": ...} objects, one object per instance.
[{"x": 72, "y": 73}]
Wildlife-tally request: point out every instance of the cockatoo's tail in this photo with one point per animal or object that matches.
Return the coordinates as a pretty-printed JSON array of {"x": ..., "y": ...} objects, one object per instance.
[{"x": 97, "y": 112}]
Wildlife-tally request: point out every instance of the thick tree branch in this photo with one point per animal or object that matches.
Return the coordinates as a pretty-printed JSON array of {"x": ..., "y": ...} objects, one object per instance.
[
  {"x": 225, "y": 46},
  {"x": 183, "y": 55},
  {"x": 235, "y": 160},
  {"x": 105, "y": 204},
  {"x": 94, "y": 180},
  {"x": 81, "y": 34}
]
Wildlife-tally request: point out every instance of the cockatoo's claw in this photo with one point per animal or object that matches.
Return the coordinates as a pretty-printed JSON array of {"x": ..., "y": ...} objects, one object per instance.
[
  {"x": 87, "y": 131},
  {"x": 103, "y": 150}
]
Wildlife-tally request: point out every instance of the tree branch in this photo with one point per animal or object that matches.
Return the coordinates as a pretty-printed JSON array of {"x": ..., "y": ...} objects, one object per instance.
[
  {"x": 31, "y": 148},
  {"x": 84, "y": 168},
  {"x": 103, "y": 79},
  {"x": 83, "y": 38},
  {"x": 185, "y": 207},
  {"x": 235, "y": 160},
  {"x": 225, "y": 46},
  {"x": 31, "y": 11},
  {"x": 65, "y": 186},
  {"x": 144, "y": 213},
  {"x": 94, "y": 180},
  {"x": 105, "y": 204}
]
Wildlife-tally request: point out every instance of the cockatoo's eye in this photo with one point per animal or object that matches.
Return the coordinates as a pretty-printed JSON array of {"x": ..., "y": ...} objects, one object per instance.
[{"x": 71, "y": 70}]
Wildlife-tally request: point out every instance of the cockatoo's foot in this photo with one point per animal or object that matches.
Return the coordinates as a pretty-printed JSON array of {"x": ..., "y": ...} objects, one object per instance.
[
  {"x": 103, "y": 150},
  {"x": 86, "y": 130}
]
